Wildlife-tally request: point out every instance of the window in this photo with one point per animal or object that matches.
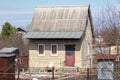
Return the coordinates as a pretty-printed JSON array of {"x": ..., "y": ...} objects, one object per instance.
[
  {"x": 54, "y": 49},
  {"x": 41, "y": 50}
]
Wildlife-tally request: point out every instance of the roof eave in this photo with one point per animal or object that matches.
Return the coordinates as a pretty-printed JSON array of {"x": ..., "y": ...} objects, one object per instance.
[{"x": 55, "y": 38}]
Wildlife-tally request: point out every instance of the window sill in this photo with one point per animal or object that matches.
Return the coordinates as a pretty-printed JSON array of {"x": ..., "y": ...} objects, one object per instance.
[
  {"x": 54, "y": 55},
  {"x": 41, "y": 55}
]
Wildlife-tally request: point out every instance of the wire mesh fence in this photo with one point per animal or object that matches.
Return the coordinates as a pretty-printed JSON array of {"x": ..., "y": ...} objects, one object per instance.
[
  {"x": 41, "y": 74},
  {"x": 63, "y": 73}
]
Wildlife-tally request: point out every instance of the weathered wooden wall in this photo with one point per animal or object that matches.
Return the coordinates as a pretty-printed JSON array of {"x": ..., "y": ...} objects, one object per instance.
[
  {"x": 7, "y": 68},
  {"x": 43, "y": 61}
]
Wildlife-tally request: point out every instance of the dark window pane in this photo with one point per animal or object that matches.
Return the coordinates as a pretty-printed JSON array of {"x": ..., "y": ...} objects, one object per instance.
[
  {"x": 70, "y": 50},
  {"x": 41, "y": 49},
  {"x": 54, "y": 49}
]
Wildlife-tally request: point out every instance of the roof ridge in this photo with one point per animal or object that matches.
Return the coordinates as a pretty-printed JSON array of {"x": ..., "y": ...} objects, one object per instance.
[{"x": 57, "y": 6}]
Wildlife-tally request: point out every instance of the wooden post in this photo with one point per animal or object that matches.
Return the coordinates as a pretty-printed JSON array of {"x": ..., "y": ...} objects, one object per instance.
[
  {"x": 90, "y": 70},
  {"x": 18, "y": 73},
  {"x": 88, "y": 74},
  {"x": 52, "y": 73},
  {"x": 18, "y": 66},
  {"x": 116, "y": 70}
]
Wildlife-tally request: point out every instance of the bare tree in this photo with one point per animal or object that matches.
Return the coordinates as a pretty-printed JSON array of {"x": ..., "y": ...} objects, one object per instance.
[
  {"x": 108, "y": 24},
  {"x": 28, "y": 27}
]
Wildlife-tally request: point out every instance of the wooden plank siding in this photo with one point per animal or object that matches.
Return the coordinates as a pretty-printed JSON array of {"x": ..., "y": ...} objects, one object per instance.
[{"x": 7, "y": 68}]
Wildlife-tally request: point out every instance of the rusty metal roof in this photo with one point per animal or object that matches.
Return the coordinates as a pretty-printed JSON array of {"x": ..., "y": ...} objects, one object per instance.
[{"x": 105, "y": 56}]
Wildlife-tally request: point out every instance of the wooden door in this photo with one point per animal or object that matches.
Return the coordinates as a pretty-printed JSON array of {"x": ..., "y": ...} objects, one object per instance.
[{"x": 70, "y": 55}]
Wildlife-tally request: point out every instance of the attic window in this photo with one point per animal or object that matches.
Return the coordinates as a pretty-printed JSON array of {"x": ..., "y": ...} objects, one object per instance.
[
  {"x": 54, "y": 49},
  {"x": 41, "y": 49}
]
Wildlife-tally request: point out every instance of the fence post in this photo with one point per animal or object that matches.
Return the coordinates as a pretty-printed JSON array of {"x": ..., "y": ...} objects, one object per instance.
[
  {"x": 87, "y": 73},
  {"x": 52, "y": 73},
  {"x": 117, "y": 71},
  {"x": 18, "y": 67},
  {"x": 18, "y": 74}
]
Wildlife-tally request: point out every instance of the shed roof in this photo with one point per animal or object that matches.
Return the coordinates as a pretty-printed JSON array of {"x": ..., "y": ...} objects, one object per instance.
[
  {"x": 54, "y": 35},
  {"x": 7, "y": 55},
  {"x": 105, "y": 56},
  {"x": 8, "y": 50}
]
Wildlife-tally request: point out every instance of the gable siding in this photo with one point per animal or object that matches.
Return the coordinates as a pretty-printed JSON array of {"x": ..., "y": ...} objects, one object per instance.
[{"x": 87, "y": 39}]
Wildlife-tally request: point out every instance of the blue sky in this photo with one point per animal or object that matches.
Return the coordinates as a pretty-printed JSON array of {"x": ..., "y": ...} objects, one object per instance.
[{"x": 19, "y": 12}]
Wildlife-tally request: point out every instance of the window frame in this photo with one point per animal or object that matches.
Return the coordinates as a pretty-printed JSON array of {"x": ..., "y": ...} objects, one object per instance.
[
  {"x": 43, "y": 50},
  {"x": 56, "y": 49}
]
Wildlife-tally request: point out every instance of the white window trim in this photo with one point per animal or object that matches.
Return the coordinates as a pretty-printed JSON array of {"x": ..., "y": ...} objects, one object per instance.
[
  {"x": 51, "y": 50},
  {"x": 44, "y": 50}
]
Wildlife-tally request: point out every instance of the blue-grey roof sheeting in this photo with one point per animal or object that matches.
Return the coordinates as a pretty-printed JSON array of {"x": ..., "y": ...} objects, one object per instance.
[
  {"x": 54, "y": 35},
  {"x": 8, "y": 50},
  {"x": 7, "y": 55}
]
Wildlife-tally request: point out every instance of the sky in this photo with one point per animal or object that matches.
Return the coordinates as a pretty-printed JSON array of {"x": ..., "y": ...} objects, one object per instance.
[{"x": 20, "y": 12}]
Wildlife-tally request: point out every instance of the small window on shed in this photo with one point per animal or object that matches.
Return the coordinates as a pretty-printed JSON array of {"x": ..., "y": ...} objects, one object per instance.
[
  {"x": 41, "y": 49},
  {"x": 54, "y": 49}
]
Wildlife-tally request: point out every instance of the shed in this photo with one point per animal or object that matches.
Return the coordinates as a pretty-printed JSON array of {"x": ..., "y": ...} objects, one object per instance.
[
  {"x": 7, "y": 63},
  {"x": 106, "y": 66}
]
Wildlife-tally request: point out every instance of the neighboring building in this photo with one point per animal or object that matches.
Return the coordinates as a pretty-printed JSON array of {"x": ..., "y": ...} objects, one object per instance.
[
  {"x": 115, "y": 50},
  {"x": 108, "y": 59},
  {"x": 61, "y": 36},
  {"x": 106, "y": 47},
  {"x": 20, "y": 30},
  {"x": 7, "y": 63},
  {"x": 106, "y": 65},
  {"x": 23, "y": 57}
]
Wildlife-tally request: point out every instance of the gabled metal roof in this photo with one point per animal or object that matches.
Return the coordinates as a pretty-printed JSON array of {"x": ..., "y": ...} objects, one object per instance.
[
  {"x": 60, "y": 18},
  {"x": 54, "y": 35}
]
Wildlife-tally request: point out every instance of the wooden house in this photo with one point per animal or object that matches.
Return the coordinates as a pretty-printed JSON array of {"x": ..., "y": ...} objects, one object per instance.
[{"x": 61, "y": 36}]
